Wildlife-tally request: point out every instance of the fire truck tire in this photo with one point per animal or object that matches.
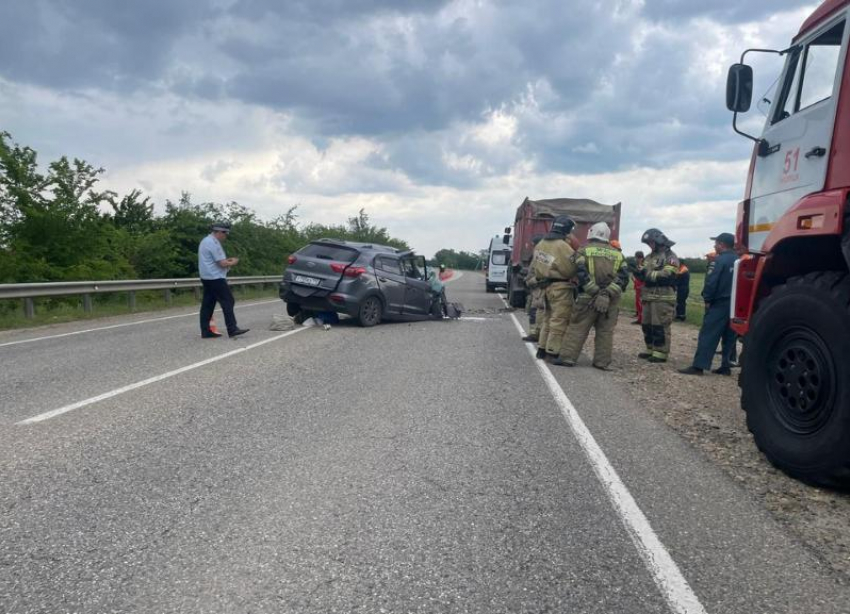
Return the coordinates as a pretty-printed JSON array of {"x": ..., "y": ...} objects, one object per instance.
[{"x": 795, "y": 381}]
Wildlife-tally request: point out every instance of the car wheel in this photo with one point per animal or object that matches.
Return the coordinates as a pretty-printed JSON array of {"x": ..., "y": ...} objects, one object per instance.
[
  {"x": 293, "y": 309},
  {"x": 370, "y": 311},
  {"x": 795, "y": 381}
]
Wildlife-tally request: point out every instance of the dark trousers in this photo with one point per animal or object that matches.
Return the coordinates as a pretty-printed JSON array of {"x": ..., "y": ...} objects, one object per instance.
[
  {"x": 683, "y": 290},
  {"x": 715, "y": 328},
  {"x": 217, "y": 291}
]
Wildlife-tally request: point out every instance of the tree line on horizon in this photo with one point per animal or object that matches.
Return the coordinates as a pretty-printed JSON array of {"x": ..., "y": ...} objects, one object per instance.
[{"x": 57, "y": 225}]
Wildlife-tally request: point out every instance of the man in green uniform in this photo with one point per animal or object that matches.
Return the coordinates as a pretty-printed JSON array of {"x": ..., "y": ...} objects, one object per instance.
[
  {"x": 602, "y": 278},
  {"x": 535, "y": 304},
  {"x": 658, "y": 272},
  {"x": 553, "y": 265}
]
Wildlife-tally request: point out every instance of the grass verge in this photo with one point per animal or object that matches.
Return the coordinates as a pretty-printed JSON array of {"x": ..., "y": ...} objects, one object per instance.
[{"x": 70, "y": 309}]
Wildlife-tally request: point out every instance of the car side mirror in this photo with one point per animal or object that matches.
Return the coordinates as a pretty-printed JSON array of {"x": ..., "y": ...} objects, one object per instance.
[{"x": 739, "y": 88}]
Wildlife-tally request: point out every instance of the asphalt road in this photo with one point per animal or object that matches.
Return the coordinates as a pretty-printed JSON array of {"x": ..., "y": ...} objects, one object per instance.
[{"x": 426, "y": 467}]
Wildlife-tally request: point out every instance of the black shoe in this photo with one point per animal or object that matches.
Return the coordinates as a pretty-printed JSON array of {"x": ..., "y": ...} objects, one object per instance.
[
  {"x": 529, "y": 339},
  {"x": 559, "y": 362},
  {"x": 680, "y": 318},
  {"x": 601, "y": 368},
  {"x": 208, "y": 334},
  {"x": 541, "y": 353},
  {"x": 237, "y": 332},
  {"x": 722, "y": 371},
  {"x": 656, "y": 359},
  {"x": 692, "y": 370},
  {"x": 645, "y": 355}
]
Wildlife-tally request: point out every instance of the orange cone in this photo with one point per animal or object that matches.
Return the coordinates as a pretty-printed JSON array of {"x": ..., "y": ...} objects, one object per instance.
[{"x": 213, "y": 327}]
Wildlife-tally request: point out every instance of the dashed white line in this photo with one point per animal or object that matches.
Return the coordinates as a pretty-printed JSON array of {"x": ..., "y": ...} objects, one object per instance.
[
  {"x": 151, "y": 380},
  {"x": 673, "y": 586},
  {"x": 135, "y": 323}
]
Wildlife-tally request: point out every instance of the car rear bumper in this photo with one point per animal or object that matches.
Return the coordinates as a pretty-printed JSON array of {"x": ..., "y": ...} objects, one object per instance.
[{"x": 321, "y": 301}]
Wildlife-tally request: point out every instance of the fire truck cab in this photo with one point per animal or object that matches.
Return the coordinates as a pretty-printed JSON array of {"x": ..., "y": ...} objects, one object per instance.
[{"x": 791, "y": 295}]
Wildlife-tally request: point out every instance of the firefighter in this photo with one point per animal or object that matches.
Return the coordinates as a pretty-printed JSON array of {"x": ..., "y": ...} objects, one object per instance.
[
  {"x": 554, "y": 268},
  {"x": 717, "y": 295},
  {"x": 535, "y": 300},
  {"x": 658, "y": 274},
  {"x": 602, "y": 278}
]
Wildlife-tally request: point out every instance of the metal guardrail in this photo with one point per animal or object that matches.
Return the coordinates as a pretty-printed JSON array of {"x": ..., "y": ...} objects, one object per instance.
[{"x": 28, "y": 292}]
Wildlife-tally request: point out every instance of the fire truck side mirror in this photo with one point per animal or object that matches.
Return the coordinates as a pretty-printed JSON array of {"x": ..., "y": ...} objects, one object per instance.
[{"x": 739, "y": 88}]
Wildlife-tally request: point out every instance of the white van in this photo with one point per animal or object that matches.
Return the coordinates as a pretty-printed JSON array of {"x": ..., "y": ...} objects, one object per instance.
[{"x": 499, "y": 260}]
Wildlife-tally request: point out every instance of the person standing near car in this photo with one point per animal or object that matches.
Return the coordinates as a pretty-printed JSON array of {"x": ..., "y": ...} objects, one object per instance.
[
  {"x": 554, "y": 267},
  {"x": 213, "y": 265}
]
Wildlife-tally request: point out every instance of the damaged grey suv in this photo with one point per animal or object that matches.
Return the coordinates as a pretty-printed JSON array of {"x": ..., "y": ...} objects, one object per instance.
[{"x": 368, "y": 282}]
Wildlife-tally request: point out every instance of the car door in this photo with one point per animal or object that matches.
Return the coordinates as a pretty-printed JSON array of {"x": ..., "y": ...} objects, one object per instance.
[
  {"x": 799, "y": 129},
  {"x": 417, "y": 298},
  {"x": 392, "y": 282}
]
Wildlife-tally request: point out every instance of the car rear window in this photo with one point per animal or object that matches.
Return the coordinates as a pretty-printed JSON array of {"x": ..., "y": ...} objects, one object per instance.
[
  {"x": 328, "y": 252},
  {"x": 500, "y": 257}
]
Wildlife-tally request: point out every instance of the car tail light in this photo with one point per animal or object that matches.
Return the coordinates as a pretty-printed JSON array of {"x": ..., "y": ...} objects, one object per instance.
[
  {"x": 292, "y": 259},
  {"x": 337, "y": 298},
  {"x": 354, "y": 271},
  {"x": 337, "y": 267}
]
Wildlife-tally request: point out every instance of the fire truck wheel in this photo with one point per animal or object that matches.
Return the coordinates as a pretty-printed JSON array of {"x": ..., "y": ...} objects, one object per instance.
[{"x": 795, "y": 382}]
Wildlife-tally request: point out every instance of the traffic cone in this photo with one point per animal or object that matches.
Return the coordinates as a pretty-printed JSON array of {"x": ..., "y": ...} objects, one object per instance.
[{"x": 213, "y": 327}]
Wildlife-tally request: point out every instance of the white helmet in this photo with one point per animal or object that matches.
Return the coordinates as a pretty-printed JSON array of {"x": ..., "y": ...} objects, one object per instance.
[{"x": 599, "y": 232}]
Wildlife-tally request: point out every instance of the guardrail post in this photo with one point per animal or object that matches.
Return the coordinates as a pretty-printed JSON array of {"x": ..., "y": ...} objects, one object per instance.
[
  {"x": 131, "y": 299},
  {"x": 197, "y": 292},
  {"x": 87, "y": 303},
  {"x": 167, "y": 297},
  {"x": 29, "y": 308}
]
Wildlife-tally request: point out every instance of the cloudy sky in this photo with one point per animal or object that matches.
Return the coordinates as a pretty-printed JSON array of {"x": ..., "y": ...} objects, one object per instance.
[{"x": 437, "y": 117}]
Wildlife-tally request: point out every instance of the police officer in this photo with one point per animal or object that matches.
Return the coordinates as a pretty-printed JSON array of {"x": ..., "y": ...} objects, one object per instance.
[
  {"x": 535, "y": 304},
  {"x": 553, "y": 265},
  {"x": 658, "y": 273},
  {"x": 213, "y": 266},
  {"x": 717, "y": 294},
  {"x": 602, "y": 278}
]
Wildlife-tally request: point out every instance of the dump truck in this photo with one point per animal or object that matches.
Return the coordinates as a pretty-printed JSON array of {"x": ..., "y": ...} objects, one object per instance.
[
  {"x": 534, "y": 217},
  {"x": 791, "y": 289}
]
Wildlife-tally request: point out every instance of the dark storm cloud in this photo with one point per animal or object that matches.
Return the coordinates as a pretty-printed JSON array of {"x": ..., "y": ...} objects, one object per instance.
[
  {"x": 92, "y": 43},
  {"x": 586, "y": 91},
  {"x": 727, "y": 11}
]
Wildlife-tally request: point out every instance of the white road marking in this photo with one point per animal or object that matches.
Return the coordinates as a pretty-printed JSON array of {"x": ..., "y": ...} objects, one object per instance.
[
  {"x": 158, "y": 378},
  {"x": 149, "y": 320},
  {"x": 670, "y": 581}
]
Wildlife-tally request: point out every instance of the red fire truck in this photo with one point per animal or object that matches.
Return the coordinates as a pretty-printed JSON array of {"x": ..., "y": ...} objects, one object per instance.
[{"x": 791, "y": 294}]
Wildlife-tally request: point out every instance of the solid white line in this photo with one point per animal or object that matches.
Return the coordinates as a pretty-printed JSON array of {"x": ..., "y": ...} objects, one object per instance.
[
  {"x": 670, "y": 581},
  {"x": 158, "y": 378},
  {"x": 149, "y": 320}
]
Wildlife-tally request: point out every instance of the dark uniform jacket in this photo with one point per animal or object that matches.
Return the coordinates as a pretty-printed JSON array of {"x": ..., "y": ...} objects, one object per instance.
[{"x": 718, "y": 279}]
